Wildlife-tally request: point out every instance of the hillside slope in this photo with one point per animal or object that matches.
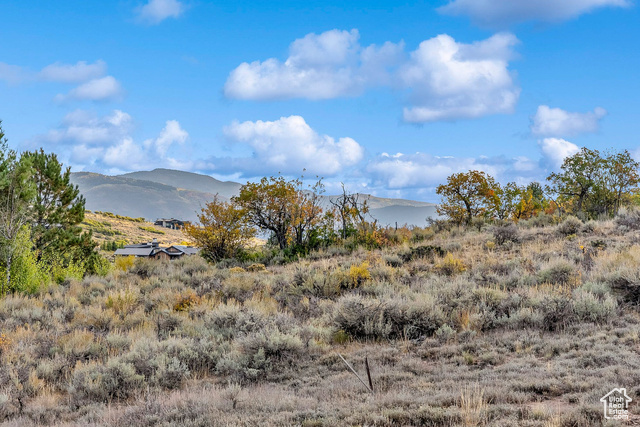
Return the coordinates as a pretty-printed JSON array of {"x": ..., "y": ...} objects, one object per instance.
[
  {"x": 164, "y": 193},
  {"x": 138, "y": 198},
  {"x": 110, "y": 227},
  {"x": 187, "y": 180}
]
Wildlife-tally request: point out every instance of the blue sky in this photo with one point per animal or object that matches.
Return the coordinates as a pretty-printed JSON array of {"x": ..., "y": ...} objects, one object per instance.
[{"x": 388, "y": 97}]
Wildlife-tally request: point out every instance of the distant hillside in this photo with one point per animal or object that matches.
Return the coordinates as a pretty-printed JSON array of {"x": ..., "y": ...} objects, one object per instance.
[
  {"x": 107, "y": 227},
  {"x": 164, "y": 193},
  {"x": 409, "y": 215},
  {"x": 137, "y": 198},
  {"x": 188, "y": 181}
]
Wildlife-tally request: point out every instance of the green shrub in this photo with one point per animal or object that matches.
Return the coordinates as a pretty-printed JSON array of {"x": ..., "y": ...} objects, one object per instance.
[
  {"x": 27, "y": 275},
  {"x": 450, "y": 266},
  {"x": 170, "y": 372},
  {"x": 151, "y": 229},
  {"x": 367, "y": 318},
  {"x": 560, "y": 272},
  {"x": 569, "y": 226},
  {"x": 424, "y": 252},
  {"x": 589, "y": 308},
  {"x": 263, "y": 353},
  {"x": 505, "y": 233},
  {"x": 628, "y": 219},
  {"x": 538, "y": 221},
  {"x": 103, "y": 383}
]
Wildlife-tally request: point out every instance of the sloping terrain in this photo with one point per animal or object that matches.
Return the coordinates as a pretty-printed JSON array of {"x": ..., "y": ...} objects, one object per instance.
[
  {"x": 499, "y": 327},
  {"x": 165, "y": 193},
  {"x": 138, "y": 198},
  {"x": 110, "y": 227},
  {"x": 187, "y": 180}
]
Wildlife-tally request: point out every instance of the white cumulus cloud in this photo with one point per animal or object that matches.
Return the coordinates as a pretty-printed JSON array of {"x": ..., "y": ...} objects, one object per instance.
[
  {"x": 450, "y": 80},
  {"x": 555, "y": 150},
  {"x": 170, "y": 134},
  {"x": 100, "y": 89},
  {"x": 443, "y": 79},
  {"x": 289, "y": 145},
  {"x": 156, "y": 11},
  {"x": 422, "y": 170},
  {"x": 318, "y": 67},
  {"x": 502, "y": 13},
  {"x": 86, "y": 128},
  {"x": 73, "y": 73},
  {"x": 560, "y": 123},
  {"x": 106, "y": 144}
]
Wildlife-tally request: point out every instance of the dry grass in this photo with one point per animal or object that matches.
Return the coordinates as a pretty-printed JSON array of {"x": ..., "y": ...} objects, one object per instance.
[
  {"x": 529, "y": 332},
  {"x": 106, "y": 229}
]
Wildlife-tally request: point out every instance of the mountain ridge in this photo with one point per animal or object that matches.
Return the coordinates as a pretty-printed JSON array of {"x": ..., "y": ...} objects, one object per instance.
[{"x": 161, "y": 193}]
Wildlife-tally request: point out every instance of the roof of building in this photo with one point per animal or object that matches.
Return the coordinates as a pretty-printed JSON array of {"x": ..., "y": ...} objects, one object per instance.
[
  {"x": 170, "y": 253},
  {"x": 144, "y": 251},
  {"x": 188, "y": 250},
  {"x": 152, "y": 248}
]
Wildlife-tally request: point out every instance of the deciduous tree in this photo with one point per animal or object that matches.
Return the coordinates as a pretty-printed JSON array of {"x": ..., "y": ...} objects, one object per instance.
[
  {"x": 17, "y": 191},
  {"x": 222, "y": 230},
  {"x": 282, "y": 207},
  {"x": 578, "y": 178},
  {"x": 468, "y": 195},
  {"x": 351, "y": 212}
]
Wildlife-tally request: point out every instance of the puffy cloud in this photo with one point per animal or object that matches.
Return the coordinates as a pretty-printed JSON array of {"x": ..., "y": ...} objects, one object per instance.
[
  {"x": 106, "y": 144},
  {"x": 170, "y": 134},
  {"x": 86, "y": 128},
  {"x": 67, "y": 73},
  {"x": 555, "y": 150},
  {"x": 125, "y": 155},
  {"x": 101, "y": 89},
  {"x": 422, "y": 170},
  {"x": 444, "y": 79},
  {"x": 319, "y": 67},
  {"x": 501, "y": 13},
  {"x": 557, "y": 122},
  {"x": 57, "y": 72},
  {"x": 156, "y": 11},
  {"x": 95, "y": 86},
  {"x": 289, "y": 145},
  {"x": 452, "y": 80}
]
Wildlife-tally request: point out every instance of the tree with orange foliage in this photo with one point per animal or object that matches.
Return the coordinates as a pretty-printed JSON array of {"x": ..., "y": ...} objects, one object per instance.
[
  {"x": 222, "y": 230},
  {"x": 468, "y": 195},
  {"x": 282, "y": 207}
]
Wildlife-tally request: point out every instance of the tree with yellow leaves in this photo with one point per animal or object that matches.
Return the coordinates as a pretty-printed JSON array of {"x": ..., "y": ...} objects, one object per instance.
[
  {"x": 468, "y": 195},
  {"x": 222, "y": 230}
]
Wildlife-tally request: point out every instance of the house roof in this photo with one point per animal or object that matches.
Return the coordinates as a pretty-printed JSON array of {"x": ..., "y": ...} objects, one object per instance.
[
  {"x": 138, "y": 245},
  {"x": 170, "y": 253},
  {"x": 188, "y": 250},
  {"x": 142, "y": 251}
]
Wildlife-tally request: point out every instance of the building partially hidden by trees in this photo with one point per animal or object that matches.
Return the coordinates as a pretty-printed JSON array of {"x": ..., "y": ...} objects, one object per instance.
[
  {"x": 172, "y": 223},
  {"x": 153, "y": 250}
]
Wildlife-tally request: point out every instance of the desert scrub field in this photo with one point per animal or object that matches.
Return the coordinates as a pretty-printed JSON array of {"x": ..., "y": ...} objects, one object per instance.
[{"x": 494, "y": 326}]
